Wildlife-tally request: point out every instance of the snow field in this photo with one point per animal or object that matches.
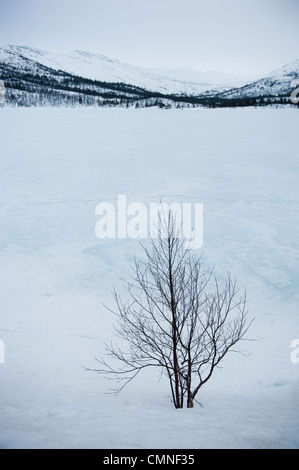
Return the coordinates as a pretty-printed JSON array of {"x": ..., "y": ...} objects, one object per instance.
[{"x": 56, "y": 166}]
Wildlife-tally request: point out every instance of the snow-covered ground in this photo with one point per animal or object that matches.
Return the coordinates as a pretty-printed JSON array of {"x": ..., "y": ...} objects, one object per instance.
[{"x": 56, "y": 166}]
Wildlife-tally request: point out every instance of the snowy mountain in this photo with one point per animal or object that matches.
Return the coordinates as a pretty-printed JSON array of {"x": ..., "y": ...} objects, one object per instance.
[
  {"x": 101, "y": 68},
  {"x": 33, "y": 77},
  {"x": 279, "y": 83}
]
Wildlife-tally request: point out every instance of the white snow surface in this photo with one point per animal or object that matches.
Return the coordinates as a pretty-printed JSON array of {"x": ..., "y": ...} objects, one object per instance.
[
  {"x": 103, "y": 68},
  {"x": 55, "y": 275}
]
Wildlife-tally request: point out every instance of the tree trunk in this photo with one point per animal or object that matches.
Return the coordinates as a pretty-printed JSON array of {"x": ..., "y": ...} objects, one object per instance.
[
  {"x": 174, "y": 329},
  {"x": 190, "y": 403}
]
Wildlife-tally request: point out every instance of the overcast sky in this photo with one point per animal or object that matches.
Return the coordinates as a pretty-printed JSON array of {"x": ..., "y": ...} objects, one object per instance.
[{"x": 240, "y": 36}]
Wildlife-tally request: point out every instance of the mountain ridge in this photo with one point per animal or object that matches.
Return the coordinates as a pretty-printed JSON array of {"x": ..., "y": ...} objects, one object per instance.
[
  {"x": 100, "y": 67},
  {"x": 33, "y": 77}
]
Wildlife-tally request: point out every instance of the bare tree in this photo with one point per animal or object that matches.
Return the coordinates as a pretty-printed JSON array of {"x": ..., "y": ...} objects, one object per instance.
[{"x": 176, "y": 318}]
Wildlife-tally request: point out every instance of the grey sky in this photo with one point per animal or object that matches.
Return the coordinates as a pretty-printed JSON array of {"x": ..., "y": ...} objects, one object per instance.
[{"x": 241, "y": 36}]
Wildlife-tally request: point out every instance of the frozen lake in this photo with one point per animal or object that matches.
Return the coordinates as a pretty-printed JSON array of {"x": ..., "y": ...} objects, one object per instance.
[{"x": 56, "y": 165}]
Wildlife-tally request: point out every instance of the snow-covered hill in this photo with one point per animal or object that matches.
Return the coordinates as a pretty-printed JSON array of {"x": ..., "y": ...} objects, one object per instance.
[
  {"x": 278, "y": 83},
  {"x": 105, "y": 69},
  {"x": 33, "y": 77}
]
